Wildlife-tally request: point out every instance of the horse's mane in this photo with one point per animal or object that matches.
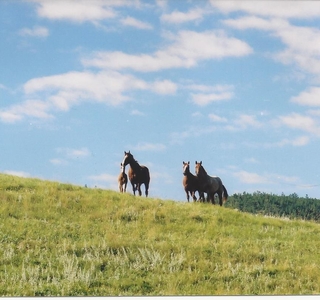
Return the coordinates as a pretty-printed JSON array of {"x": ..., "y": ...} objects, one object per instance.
[{"x": 203, "y": 170}]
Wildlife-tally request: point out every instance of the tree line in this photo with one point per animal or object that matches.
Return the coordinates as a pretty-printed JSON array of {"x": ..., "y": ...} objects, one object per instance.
[{"x": 291, "y": 206}]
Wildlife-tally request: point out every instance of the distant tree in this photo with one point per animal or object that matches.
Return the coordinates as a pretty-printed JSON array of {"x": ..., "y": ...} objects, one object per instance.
[{"x": 291, "y": 206}]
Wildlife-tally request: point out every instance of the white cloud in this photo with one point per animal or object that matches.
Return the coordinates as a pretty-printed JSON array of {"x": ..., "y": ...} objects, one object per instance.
[
  {"x": 216, "y": 118},
  {"x": 178, "y": 17},
  {"x": 211, "y": 93},
  {"x": 205, "y": 99},
  {"x": 144, "y": 146},
  {"x": 75, "y": 11},
  {"x": 162, "y": 3},
  {"x": 250, "y": 178},
  {"x": 244, "y": 121},
  {"x": 301, "y": 43},
  {"x": 129, "y": 21},
  {"x": 61, "y": 92},
  {"x": 310, "y": 97},
  {"x": 164, "y": 87},
  {"x": 30, "y": 108},
  {"x": 188, "y": 48},
  {"x": 278, "y": 9},
  {"x": 36, "y": 31},
  {"x": 296, "y": 142},
  {"x": 136, "y": 112},
  {"x": 301, "y": 122},
  {"x": 58, "y": 161}
]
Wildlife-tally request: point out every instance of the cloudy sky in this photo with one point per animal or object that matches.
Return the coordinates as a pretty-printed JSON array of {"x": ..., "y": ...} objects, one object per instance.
[{"x": 235, "y": 84}]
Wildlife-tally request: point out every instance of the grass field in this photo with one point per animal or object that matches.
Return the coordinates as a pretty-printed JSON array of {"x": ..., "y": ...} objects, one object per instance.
[{"x": 63, "y": 240}]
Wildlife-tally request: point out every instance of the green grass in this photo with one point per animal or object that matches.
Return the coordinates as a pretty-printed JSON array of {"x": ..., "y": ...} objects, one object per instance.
[{"x": 63, "y": 240}]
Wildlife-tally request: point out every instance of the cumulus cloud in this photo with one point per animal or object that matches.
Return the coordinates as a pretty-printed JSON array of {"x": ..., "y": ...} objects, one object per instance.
[
  {"x": 75, "y": 11},
  {"x": 178, "y": 17},
  {"x": 60, "y": 92},
  {"x": 204, "y": 94},
  {"x": 301, "y": 43},
  {"x": 310, "y": 97},
  {"x": 37, "y": 31},
  {"x": 278, "y": 9},
  {"x": 30, "y": 108},
  {"x": 188, "y": 48},
  {"x": 129, "y": 21},
  {"x": 216, "y": 118},
  {"x": 301, "y": 122},
  {"x": 250, "y": 177}
]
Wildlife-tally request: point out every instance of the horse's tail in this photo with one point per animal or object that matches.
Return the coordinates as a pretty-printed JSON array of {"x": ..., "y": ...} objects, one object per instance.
[{"x": 225, "y": 193}]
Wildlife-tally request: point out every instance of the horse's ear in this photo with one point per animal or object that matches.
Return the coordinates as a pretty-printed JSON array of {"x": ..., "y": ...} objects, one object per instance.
[
  {"x": 129, "y": 152},
  {"x": 183, "y": 162},
  {"x": 196, "y": 162},
  {"x": 188, "y": 162},
  {"x": 200, "y": 163}
]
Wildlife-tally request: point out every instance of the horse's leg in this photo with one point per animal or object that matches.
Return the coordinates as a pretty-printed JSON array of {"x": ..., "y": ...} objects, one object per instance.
[
  {"x": 187, "y": 193},
  {"x": 212, "y": 198},
  {"x": 147, "y": 189},
  {"x": 125, "y": 187},
  {"x": 193, "y": 194},
  {"x": 208, "y": 197},
  {"x": 133, "y": 188},
  {"x": 201, "y": 197},
  {"x": 139, "y": 188},
  {"x": 220, "y": 197}
]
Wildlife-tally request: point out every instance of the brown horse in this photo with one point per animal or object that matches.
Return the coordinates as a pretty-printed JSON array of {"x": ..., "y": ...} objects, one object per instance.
[
  {"x": 137, "y": 174},
  {"x": 190, "y": 183},
  {"x": 122, "y": 179},
  {"x": 211, "y": 185}
]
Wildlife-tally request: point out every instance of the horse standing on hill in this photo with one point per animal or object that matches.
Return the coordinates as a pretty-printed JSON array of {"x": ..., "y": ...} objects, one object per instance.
[
  {"x": 211, "y": 185},
  {"x": 122, "y": 179},
  {"x": 190, "y": 183},
  {"x": 137, "y": 174}
]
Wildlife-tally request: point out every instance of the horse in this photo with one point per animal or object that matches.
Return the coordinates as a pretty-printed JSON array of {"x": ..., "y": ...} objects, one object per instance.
[
  {"x": 137, "y": 174},
  {"x": 190, "y": 183},
  {"x": 122, "y": 179},
  {"x": 211, "y": 185}
]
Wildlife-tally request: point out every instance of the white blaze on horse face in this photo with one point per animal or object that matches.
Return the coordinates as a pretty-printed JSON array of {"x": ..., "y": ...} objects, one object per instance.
[{"x": 185, "y": 168}]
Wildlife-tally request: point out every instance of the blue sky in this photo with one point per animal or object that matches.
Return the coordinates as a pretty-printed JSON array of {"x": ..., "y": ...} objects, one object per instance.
[{"x": 235, "y": 84}]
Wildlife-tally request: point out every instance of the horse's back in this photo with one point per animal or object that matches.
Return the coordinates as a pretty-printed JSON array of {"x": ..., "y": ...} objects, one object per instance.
[{"x": 142, "y": 176}]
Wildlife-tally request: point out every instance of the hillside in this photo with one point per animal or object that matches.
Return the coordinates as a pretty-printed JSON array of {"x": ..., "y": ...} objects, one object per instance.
[{"x": 63, "y": 240}]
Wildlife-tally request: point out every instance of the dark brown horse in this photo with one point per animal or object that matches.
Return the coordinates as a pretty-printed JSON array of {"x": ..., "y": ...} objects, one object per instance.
[
  {"x": 122, "y": 179},
  {"x": 137, "y": 174},
  {"x": 190, "y": 183},
  {"x": 211, "y": 185}
]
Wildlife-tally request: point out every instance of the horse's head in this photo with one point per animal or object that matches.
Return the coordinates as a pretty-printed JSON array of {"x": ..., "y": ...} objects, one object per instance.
[
  {"x": 128, "y": 158},
  {"x": 198, "y": 168},
  {"x": 186, "y": 168}
]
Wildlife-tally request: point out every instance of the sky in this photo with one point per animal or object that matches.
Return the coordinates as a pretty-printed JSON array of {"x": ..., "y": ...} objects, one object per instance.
[{"x": 234, "y": 84}]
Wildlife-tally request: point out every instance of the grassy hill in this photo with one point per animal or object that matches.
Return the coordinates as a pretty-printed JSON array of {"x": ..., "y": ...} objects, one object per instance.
[{"x": 63, "y": 240}]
